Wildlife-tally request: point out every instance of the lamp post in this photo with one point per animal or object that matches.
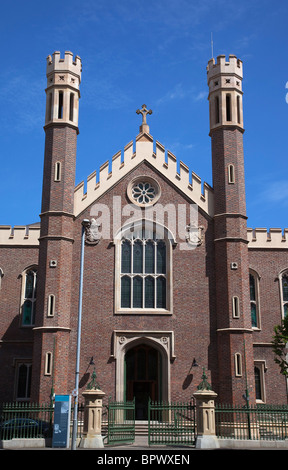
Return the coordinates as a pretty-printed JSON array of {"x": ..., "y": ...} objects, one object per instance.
[{"x": 85, "y": 223}]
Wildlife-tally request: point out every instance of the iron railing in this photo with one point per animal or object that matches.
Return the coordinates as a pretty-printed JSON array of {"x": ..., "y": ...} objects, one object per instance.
[
  {"x": 80, "y": 420},
  {"x": 25, "y": 420},
  {"x": 254, "y": 422},
  {"x": 121, "y": 422},
  {"x": 171, "y": 423},
  {"x": 22, "y": 420}
]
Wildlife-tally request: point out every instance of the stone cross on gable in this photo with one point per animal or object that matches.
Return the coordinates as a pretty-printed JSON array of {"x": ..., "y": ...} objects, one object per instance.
[{"x": 144, "y": 111}]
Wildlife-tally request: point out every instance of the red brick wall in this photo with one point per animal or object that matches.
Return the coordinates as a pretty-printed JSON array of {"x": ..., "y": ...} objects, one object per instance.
[
  {"x": 16, "y": 341},
  {"x": 193, "y": 319},
  {"x": 268, "y": 264}
]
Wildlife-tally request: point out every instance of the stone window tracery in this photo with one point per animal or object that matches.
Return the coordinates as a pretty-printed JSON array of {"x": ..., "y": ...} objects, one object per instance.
[
  {"x": 143, "y": 271},
  {"x": 143, "y": 191},
  {"x": 29, "y": 297}
]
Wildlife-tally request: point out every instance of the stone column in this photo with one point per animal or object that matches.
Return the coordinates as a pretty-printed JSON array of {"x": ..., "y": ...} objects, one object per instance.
[
  {"x": 205, "y": 407},
  {"x": 92, "y": 438}
]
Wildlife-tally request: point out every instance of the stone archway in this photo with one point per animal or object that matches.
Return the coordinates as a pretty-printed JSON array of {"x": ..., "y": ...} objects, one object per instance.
[{"x": 160, "y": 341}]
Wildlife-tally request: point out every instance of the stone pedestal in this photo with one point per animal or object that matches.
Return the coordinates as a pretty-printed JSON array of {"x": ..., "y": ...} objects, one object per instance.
[
  {"x": 206, "y": 435},
  {"x": 92, "y": 438}
]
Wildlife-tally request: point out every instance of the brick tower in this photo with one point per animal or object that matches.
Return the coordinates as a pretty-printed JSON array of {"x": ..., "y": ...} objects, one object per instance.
[
  {"x": 52, "y": 328},
  {"x": 234, "y": 332}
]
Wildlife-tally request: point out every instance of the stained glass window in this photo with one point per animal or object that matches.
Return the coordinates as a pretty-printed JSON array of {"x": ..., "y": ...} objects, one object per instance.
[
  {"x": 143, "y": 192},
  {"x": 161, "y": 292},
  {"x": 143, "y": 272},
  {"x": 29, "y": 299},
  {"x": 137, "y": 292},
  {"x": 149, "y": 257},
  {"x": 253, "y": 300},
  {"x": 285, "y": 287},
  {"x": 126, "y": 257},
  {"x": 149, "y": 292},
  {"x": 138, "y": 257},
  {"x": 285, "y": 293},
  {"x": 125, "y": 292}
]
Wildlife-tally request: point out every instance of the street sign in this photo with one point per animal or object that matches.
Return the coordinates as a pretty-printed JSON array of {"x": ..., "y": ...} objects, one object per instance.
[{"x": 61, "y": 428}]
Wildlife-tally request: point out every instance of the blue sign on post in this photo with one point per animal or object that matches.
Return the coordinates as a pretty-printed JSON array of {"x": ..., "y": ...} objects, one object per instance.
[{"x": 61, "y": 428}]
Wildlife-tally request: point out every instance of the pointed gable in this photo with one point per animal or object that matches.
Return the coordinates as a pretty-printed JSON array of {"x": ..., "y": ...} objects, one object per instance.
[{"x": 163, "y": 161}]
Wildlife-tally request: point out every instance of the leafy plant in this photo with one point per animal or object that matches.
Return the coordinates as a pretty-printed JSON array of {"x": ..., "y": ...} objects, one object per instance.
[{"x": 279, "y": 342}]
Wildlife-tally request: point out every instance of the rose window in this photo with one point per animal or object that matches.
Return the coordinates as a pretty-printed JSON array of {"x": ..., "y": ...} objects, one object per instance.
[{"x": 143, "y": 192}]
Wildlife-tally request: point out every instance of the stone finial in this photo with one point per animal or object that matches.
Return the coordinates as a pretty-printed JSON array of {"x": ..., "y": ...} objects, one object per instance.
[
  {"x": 204, "y": 385},
  {"x": 93, "y": 385},
  {"x": 144, "y": 111}
]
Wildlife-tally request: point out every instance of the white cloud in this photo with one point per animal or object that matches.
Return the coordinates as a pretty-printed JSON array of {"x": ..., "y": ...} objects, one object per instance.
[{"x": 180, "y": 93}]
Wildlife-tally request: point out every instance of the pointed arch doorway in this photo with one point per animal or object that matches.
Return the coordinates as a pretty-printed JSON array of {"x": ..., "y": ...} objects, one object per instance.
[
  {"x": 125, "y": 349},
  {"x": 143, "y": 367}
]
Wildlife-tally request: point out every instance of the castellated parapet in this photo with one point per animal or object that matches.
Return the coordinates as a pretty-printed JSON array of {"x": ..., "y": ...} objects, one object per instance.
[
  {"x": 233, "y": 66},
  {"x": 20, "y": 235},
  {"x": 258, "y": 238},
  {"x": 165, "y": 162},
  {"x": 263, "y": 238},
  {"x": 56, "y": 64}
]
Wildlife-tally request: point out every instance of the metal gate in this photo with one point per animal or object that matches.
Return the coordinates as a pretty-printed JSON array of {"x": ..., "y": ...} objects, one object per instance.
[
  {"x": 121, "y": 422},
  {"x": 171, "y": 423}
]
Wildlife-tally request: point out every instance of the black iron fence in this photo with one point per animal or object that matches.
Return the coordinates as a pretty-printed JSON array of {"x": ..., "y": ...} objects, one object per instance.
[
  {"x": 254, "y": 422},
  {"x": 31, "y": 420},
  {"x": 171, "y": 423}
]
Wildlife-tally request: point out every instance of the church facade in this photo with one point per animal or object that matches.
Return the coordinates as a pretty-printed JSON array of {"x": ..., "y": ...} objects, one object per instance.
[{"x": 161, "y": 270}]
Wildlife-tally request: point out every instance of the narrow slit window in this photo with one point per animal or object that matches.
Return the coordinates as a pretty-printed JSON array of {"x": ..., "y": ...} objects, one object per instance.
[
  {"x": 71, "y": 111},
  {"x": 235, "y": 305},
  {"x": 238, "y": 365},
  {"x": 60, "y": 105},
  {"x": 51, "y": 305},
  {"x": 238, "y": 109},
  {"x": 217, "y": 110},
  {"x": 228, "y": 108},
  {"x": 57, "y": 176},
  {"x": 50, "y": 107},
  {"x": 231, "y": 174},
  {"x": 48, "y": 363}
]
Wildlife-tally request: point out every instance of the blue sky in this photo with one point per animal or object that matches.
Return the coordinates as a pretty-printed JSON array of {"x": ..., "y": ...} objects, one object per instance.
[{"x": 152, "y": 52}]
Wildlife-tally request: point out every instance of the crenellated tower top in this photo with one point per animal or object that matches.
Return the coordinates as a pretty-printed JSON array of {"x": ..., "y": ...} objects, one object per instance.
[
  {"x": 232, "y": 67},
  {"x": 63, "y": 83},
  {"x": 55, "y": 63},
  {"x": 225, "y": 91}
]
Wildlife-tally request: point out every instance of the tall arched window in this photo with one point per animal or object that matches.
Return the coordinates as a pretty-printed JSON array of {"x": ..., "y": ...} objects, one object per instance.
[
  {"x": 284, "y": 292},
  {"x": 259, "y": 373},
  {"x": 143, "y": 271},
  {"x": 23, "y": 387},
  {"x": 29, "y": 297},
  {"x": 254, "y": 299},
  {"x": 1, "y": 275}
]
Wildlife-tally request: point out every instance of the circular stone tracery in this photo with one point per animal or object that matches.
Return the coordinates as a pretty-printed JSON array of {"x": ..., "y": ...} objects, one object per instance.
[{"x": 143, "y": 191}]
